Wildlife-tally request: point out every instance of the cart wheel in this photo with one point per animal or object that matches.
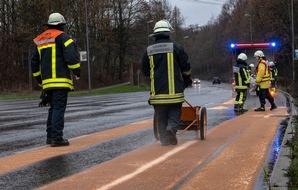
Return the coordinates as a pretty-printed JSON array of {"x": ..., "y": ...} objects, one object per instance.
[
  {"x": 155, "y": 129},
  {"x": 203, "y": 123}
]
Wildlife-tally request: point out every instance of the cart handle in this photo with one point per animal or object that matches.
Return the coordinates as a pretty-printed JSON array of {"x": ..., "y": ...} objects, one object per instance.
[
  {"x": 189, "y": 104},
  {"x": 187, "y": 127}
]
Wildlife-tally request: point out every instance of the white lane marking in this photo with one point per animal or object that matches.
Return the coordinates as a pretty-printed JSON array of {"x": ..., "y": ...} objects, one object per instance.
[
  {"x": 79, "y": 137},
  {"x": 139, "y": 122},
  {"x": 28, "y": 150},
  {"x": 229, "y": 101},
  {"x": 218, "y": 108},
  {"x": 209, "y": 103},
  {"x": 147, "y": 166}
]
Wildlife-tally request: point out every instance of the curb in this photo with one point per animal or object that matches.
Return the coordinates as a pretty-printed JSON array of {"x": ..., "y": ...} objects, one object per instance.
[{"x": 278, "y": 178}]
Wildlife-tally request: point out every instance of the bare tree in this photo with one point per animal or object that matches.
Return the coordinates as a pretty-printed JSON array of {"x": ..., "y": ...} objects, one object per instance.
[{"x": 118, "y": 34}]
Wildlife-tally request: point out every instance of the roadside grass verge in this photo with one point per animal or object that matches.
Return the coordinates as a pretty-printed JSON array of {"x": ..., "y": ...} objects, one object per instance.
[
  {"x": 293, "y": 168},
  {"x": 26, "y": 95},
  {"x": 106, "y": 90},
  {"x": 112, "y": 90}
]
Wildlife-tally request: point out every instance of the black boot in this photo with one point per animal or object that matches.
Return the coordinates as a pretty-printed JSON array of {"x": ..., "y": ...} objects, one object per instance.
[
  {"x": 242, "y": 109},
  {"x": 262, "y": 108},
  {"x": 237, "y": 107},
  {"x": 172, "y": 137},
  {"x": 273, "y": 106},
  {"x": 60, "y": 142},
  {"x": 49, "y": 141}
]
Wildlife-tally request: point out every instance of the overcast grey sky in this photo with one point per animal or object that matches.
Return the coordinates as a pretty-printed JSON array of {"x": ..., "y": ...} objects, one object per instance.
[{"x": 198, "y": 11}]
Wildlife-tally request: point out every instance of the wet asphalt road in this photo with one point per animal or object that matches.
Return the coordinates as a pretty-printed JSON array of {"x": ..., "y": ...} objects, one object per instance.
[{"x": 22, "y": 127}]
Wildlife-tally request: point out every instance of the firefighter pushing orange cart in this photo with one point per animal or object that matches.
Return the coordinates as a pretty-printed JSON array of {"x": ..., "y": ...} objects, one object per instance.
[{"x": 192, "y": 118}]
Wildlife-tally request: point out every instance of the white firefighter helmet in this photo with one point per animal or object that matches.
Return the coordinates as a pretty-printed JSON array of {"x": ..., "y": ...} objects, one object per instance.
[
  {"x": 162, "y": 26},
  {"x": 252, "y": 65},
  {"x": 242, "y": 56},
  {"x": 259, "y": 53},
  {"x": 56, "y": 19},
  {"x": 271, "y": 63}
]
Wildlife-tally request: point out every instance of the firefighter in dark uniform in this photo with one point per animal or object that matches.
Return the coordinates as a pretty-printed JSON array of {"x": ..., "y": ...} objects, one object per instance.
[
  {"x": 273, "y": 75},
  {"x": 263, "y": 81},
  {"x": 249, "y": 68},
  {"x": 166, "y": 64},
  {"x": 53, "y": 61},
  {"x": 242, "y": 81}
]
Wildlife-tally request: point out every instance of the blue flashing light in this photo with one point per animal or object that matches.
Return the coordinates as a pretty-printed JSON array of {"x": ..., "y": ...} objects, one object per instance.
[
  {"x": 232, "y": 45},
  {"x": 273, "y": 44}
]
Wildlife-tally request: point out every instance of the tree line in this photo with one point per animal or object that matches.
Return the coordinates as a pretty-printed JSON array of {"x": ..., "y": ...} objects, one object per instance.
[{"x": 118, "y": 34}]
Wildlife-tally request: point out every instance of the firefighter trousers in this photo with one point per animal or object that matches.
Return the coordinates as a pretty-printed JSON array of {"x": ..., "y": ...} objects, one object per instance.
[
  {"x": 263, "y": 95},
  {"x": 240, "y": 97},
  {"x": 168, "y": 118},
  {"x": 55, "y": 121}
]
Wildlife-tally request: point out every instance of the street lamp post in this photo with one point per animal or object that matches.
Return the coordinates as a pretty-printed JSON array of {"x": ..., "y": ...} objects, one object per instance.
[
  {"x": 29, "y": 68},
  {"x": 148, "y": 22},
  {"x": 293, "y": 39},
  {"x": 250, "y": 27},
  {"x": 87, "y": 47}
]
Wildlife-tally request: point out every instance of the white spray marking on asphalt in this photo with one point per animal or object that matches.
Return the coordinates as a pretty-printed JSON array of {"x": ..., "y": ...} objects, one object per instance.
[
  {"x": 229, "y": 101},
  {"x": 218, "y": 108},
  {"x": 209, "y": 103},
  {"x": 139, "y": 122},
  {"x": 147, "y": 166}
]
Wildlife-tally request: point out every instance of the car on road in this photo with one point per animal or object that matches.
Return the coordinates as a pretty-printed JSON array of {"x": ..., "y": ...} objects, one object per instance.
[
  {"x": 216, "y": 80},
  {"x": 196, "y": 81}
]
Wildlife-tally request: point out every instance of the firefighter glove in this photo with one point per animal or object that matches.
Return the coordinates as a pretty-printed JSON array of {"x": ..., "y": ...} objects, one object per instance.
[
  {"x": 44, "y": 99},
  {"x": 187, "y": 81}
]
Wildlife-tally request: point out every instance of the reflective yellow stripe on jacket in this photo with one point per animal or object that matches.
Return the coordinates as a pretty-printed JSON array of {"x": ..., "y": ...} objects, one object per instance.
[
  {"x": 57, "y": 83},
  {"x": 171, "y": 76},
  {"x": 152, "y": 75},
  {"x": 53, "y": 47},
  {"x": 167, "y": 99}
]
